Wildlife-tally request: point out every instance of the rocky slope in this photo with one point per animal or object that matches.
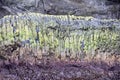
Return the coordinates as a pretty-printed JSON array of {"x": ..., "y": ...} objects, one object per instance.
[{"x": 95, "y": 8}]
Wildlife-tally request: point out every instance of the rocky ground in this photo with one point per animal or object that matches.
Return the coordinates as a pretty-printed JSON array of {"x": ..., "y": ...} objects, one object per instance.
[
  {"x": 59, "y": 70},
  {"x": 29, "y": 67}
]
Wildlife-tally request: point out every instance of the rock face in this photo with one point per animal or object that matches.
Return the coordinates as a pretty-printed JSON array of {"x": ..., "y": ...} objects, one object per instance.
[{"x": 96, "y": 8}]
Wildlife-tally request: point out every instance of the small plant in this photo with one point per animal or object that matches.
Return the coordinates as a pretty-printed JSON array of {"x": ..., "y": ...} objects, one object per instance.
[{"x": 57, "y": 36}]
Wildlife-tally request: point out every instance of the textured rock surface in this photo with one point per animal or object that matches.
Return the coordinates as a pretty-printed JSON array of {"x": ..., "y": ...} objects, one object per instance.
[{"x": 95, "y": 8}]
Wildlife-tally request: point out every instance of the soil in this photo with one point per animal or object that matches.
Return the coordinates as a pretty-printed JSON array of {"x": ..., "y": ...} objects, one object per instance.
[
  {"x": 51, "y": 68},
  {"x": 59, "y": 70}
]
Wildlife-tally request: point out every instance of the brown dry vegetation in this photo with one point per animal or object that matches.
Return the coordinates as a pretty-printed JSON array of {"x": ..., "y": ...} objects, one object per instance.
[{"x": 28, "y": 64}]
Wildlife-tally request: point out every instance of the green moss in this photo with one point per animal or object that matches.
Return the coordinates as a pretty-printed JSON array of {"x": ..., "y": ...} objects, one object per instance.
[{"x": 60, "y": 37}]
